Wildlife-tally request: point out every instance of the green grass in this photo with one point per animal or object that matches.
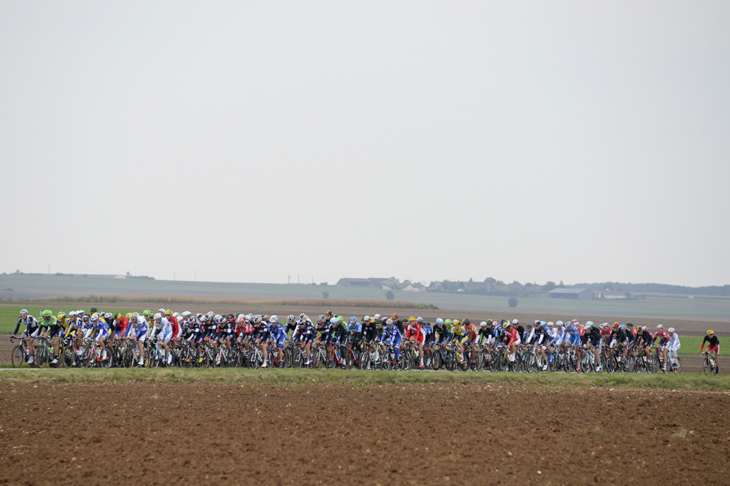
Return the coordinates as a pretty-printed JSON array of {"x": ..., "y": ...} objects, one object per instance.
[{"x": 688, "y": 381}]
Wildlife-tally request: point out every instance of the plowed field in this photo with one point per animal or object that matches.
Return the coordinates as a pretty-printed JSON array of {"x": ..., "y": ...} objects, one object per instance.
[{"x": 390, "y": 434}]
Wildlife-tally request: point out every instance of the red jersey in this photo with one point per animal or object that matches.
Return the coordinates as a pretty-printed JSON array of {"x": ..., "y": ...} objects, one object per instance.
[
  {"x": 662, "y": 335},
  {"x": 413, "y": 329},
  {"x": 121, "y": 324},
  {"x": 514, "y": 336},
  {"x": 175, "y": 326}
]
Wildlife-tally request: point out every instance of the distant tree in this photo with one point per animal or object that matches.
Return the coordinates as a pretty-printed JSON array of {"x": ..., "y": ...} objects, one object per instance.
[
  {"x": 549, "y": 286},
  {"x": 390, "y": 295},
  {"x": 512, "y": 302},
  {"x": 561, "y": 284},
  {"x": 325, "y": 295}
]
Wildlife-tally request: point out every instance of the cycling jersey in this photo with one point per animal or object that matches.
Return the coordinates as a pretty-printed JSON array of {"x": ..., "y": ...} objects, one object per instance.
[
  {"x": 138, "y": 329},
  {"x": 444, "y": 335},
  {"x": 102, "y": 329},
  {"x": 458, "y": 334},
  {"x": 305, "y": 331},
  {"x": 512, "y": 336},
  {"x": 673, "y": 343},
  {"x": 277, "y": 333},
  {"x": 662, "y": 336},
  {"x": 391, "y": 336},
  {"x": 165, "y": 329},
  {"x": 369, "y": 331},
  {"x": 413, "y": 330},
  {"x": 713, "y": 343},
  {"x": 31, "y": 326}
]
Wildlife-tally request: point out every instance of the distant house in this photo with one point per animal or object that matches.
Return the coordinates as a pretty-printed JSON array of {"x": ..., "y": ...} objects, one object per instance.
[
  {"x": 577, "y": 294},
  {"x": 414, "y": 287}
]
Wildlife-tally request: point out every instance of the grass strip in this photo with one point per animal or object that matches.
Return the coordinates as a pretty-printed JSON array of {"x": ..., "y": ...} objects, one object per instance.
[{"x": 686, "y": 381}]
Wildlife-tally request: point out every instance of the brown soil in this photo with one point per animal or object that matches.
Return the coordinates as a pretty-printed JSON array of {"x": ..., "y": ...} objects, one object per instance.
[{"x": 416, "y": 434}]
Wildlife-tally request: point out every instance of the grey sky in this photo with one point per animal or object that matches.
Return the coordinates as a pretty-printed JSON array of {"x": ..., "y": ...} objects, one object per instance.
[{"x": 249, "y": 141}]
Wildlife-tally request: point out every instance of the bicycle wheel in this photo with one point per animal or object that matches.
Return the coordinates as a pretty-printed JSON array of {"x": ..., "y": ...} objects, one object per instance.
[
  {"x": 707, "y": 366},
  {"x": 18, "y": 356},
  {"x": 40, "y": 356},
  {"x": 436, "y": 360}
]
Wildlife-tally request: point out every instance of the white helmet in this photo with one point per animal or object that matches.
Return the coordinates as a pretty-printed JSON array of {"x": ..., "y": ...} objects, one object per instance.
[
  {"x": 367, "y": 318},
  {"x": 671, "y": 329},
  {"x": 550, "y": 324},
  {"x": 161, "y": 311},
  {"x": 376, "y": 317},
  {"x": 274, "y": 319},
  {"x": 559, "y": 323},
  {"x": 515, "y": 321},
  {"x": 186, "y": 314},
  {"x": 483, "y": 324},
  {"x": 157, "y": 316},
  {"x": 659, "y": 326}
]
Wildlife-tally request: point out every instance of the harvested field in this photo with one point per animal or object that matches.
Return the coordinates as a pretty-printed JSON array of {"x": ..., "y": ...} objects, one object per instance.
[{"x": 436, "y": 433}]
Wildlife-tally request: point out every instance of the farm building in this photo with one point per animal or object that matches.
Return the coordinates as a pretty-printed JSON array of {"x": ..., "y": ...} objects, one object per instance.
[
  {"x": 578, "y": 294},
  {"x": 354, "y": 282}
]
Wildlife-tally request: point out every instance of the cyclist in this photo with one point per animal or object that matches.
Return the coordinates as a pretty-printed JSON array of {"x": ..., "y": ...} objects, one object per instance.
[
  {"x": 592, "y": 341},
  {"x": 672, "y": 346},
  {"x": 305, "y": 332},
  {"x": 644, "y": 339},
  {"x": 137, "y": 330},
  {"x": 278, "y": 336},
  {"x": 262, "y": 334},
  {"x": 32, "y": 329},
  {"x": 572, "y": 338},
  {"x": 414, "y": 335},
  {"x": 165, "y": 334},
  {"x": 101, "y": 328},
  {"x": 392, "y": 337},
  {"x": 512, "y": 338},
  {"x": 354, "y": 337},
  {"x": 663, "y": 338},
  {"x": 713, "y": 346}
]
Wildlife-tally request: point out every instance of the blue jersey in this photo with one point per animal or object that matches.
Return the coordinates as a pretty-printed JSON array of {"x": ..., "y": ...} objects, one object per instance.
[
  {"x": 391, "y": 335},
  {"x": 354, "y": 328},
  {"x": 277, "y": 332}
]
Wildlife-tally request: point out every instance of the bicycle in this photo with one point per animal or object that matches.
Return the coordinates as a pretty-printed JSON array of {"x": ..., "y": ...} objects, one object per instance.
[
  {"x": 709, "y": 365},
  {"x": 21, "y": 352}
]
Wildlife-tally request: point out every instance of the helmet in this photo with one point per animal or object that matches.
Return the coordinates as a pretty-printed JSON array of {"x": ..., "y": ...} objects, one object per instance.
[
  {"x": 559, "y": 323},
  {"x": 615, "y": 325},
  {"x": 639, "y": 329},
  {"x": 394, "y": 316},
  {"x": 274, "y": 318},
  {"x": 46, "y": 313},
  {"x": 389, "y": 322},
  {"x": 186, "y": 314},
  {"x": 622, "y": 327},
  {"x": 161, "y": 311},
  {"x": 211, "y": 314},
  {"x": 61, "y": 315},
  {"x": 108, "y": 315},
  {"x": 168, "y": 312},
  {"x": 94, "y": 317},
  {"x": 448, "y": 322},
  {"x": 710, "y": 332},
  {"x": 419, "y": 319},
  {"x": 550, "y": 324},
  {"x": 515, "y": 321},
  {"x": 456, "y": 322},
  {"x": 505, "y": 325},
  {"x": 147, "y": 313},
  {"x": 541, "y": 324},
  {"x": 176, "y": 314},
  {"x": 376, "y": 316},
  {"x": 334, "y": 320},
  {"x": 128, "y": 314},
  {"x": 659, "y": 327},
  {"x": 483, "y": 324},
  {"x": 290, "y": 318},
  {"x": 157, "y": 316},
  {"x": 671, "y": 329},
  {"x": 353, "y": 319},
  {"x": 23, "y": 311},
  {"x": 589, "y": 325},
  {"x": 220, "y": 319},
  {"x": 366, "y": 319},
  {"x": 439, "y": 321},
  {"x": 411, "y": 319}
]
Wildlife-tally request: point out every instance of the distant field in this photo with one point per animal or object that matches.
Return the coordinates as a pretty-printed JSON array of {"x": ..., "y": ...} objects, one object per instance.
[{"x": 43, "y": 286}]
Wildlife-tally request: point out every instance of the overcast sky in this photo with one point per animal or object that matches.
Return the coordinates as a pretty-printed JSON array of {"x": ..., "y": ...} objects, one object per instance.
[{"x": 253, "y": 141}]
